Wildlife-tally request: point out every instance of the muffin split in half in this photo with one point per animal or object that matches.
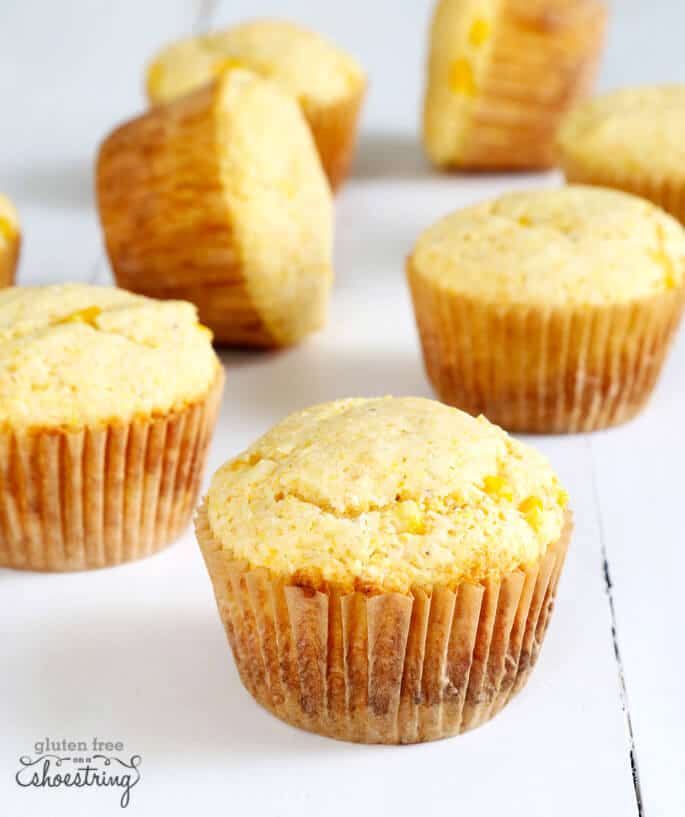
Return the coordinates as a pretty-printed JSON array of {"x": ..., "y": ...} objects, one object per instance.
[
  {"x": 385, "y": 569},
  {"x": 219, "y": 198}
]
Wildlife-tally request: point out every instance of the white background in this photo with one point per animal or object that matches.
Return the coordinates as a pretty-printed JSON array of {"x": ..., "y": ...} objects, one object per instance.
[{"x": 137, "y": 653}]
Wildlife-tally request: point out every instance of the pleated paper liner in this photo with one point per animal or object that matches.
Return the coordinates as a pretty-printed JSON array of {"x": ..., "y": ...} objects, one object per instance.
[
  {"x": 384, "y": 668},
  {"x": 167, "y": 225},
  {"x": 102, "y": 496},
  {"x": 544, "y": 59},
  {"x": 9, "y": 257},
  {"x": 667, "y": 192},
  {"x": 334, "y": 128},
  {"x": 176, "y": 248},
  {"x": 531, "y": 369}
]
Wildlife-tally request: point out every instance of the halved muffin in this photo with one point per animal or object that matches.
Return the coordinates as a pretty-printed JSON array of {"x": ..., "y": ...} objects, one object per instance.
[
  {"x": 219, "y": 198},
  {"x": 10, "y": 241},
  {"x": 328, "y": 83}
]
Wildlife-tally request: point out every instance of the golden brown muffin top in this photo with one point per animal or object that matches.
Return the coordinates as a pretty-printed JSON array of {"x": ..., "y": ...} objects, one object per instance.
[{"x": 390, "y": 493}]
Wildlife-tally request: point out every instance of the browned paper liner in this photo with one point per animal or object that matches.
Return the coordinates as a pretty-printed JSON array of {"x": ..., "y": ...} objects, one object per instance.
[
  {"x": 667, "y": 192},
  {"x": 102, "y": 496},
  {"x": 532, "y": 369},
  {"x": 9, "y": 257},
  {"x": 163, "y": 239},
  {"x": 334, "y": 128},
  {"x": 167, "y": 225},
  {"x": 384, "y": 668},
  {"x": 544, "y": 59}
]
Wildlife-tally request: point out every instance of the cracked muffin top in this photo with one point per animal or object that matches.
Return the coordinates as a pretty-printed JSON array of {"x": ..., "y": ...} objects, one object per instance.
[
  {"x": 74, "y": 355},
  {"x": 386, "y": 494},
  {"x": 575, "y": 245},
  {"x": 300, "y": 61}
]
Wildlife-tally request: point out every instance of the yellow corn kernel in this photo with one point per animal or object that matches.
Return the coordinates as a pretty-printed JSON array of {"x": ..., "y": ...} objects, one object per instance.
[
  {"x": 524, "y": 221},
  {"x": 206, "y": 331},
  {"x": 479, "y": 32},
  {"x": 225, "y": 65},
  {"x": 499, "y": 487},
  {"x": 671, "y": 277},
  {"x": 154, "y": 77},
  {"x": 7, "y": 228},
  {"x": 562, "y": 497},
  {"x": 461, "y": 78},
  {"x": 87, "y": 315},
  {"x": 411, "y": 516},
  {"x": 531, "y": 508},
  {"x": 530, "y": 503}
]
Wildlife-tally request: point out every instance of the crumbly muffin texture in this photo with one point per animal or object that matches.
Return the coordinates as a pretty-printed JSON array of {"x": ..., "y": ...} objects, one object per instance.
[
  {"x": 630, "y": 130},
  {"x": 386, "y": 494},
  {"x": 575, "y": 245},
  {"x": 279, "y": 203},
  {"x": 74, "y": 355},
  {"x": 300, "y": 61}
]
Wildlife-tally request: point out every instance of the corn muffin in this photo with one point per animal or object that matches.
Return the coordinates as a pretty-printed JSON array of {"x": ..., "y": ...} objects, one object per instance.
[
  {"x": 10, "y": 241},
  {"x": 385, "y": 569},
  {"x": 328, "y": 83},
  {"x": 630, "y": 139},
  {"x": 549, "y": 311},
  {"x": 501, "y": 74},
  {"x": 107, "y": 406},
  {"x": 219, "y": 198}
]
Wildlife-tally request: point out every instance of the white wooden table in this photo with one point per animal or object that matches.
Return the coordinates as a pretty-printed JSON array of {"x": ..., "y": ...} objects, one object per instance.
[{"x": 137, "y": 654}]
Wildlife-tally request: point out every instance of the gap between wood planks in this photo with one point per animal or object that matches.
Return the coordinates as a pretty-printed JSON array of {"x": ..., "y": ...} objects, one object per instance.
[{"x": 608, "y": 588}]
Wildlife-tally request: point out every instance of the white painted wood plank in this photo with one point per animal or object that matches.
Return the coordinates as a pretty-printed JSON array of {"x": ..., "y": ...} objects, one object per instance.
[
  {"x": 640, "y": 479},
  {"x": 138, "y": 653},
  {"x": 148, "y": 663}
]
